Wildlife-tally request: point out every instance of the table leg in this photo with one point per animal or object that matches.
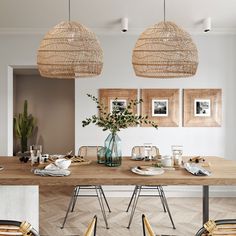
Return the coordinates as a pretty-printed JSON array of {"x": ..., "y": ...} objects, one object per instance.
[{"x": 205, "y": 203}]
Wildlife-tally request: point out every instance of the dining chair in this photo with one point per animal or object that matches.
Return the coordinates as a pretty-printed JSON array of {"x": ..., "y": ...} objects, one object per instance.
[
  {"x": 88, "y": 152},
  {"x": 147, "y": 229},
  {"x": 218, "y": 227},
  {"x": 92, "y": 228},
  {"x": 11, "y": 227},
  {"x": 139, "y": 150}
]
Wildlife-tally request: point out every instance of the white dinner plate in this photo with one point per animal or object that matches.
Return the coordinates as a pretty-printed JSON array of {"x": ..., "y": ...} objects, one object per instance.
[
  {"x": 137, "y": 158},
  {"x": 150, "y": 171}
]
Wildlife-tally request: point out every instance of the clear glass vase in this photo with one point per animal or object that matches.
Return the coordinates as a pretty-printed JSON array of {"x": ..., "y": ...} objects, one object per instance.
[{"x": 113, "y": 150}]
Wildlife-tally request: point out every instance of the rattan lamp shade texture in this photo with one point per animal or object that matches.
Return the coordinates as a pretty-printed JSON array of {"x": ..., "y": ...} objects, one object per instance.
[
  {"x": 69, "y": 51},
  {"x": 165, "y": 51}
]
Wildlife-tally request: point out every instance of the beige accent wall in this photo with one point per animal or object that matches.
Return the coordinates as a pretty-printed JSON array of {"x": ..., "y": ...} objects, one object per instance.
[{"x": 51, "y": 101}]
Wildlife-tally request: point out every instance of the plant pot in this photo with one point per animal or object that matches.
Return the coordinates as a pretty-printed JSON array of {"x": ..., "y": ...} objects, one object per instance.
[{"x": 113, "y": 152}]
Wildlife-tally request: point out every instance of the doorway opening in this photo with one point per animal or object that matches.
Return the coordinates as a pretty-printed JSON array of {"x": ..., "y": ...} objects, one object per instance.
[{"x": 52, "y": 103}]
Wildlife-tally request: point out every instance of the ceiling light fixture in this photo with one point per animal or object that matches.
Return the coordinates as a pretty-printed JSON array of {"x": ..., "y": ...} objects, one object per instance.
[
  {"x": 165, "y": 51},
  {"x": 68, "y": 51},
  {"x": 207, "y": 24},
  {"x": 124, "y": 24}
]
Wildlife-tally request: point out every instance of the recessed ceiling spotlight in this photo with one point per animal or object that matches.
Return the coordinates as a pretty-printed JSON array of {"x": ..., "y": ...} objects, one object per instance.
[
  {"x": 124, "y": 24},
  {"x": 207, "y": 24}
]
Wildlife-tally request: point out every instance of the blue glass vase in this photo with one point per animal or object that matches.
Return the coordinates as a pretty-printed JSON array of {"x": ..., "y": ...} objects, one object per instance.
[{"x": 113, "y": 150}]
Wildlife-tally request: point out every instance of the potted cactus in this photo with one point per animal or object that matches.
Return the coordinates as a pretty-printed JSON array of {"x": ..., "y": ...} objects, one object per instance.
[{"x": 24, "y": 125}]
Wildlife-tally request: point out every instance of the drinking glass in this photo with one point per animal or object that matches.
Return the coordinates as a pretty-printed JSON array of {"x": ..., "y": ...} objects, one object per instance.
[
  {"x": 177, "y": 152},
  {"x": 35, "y": 153},
  {"x": 101, "y": 155},
  {"x": 148, "y": 151}
]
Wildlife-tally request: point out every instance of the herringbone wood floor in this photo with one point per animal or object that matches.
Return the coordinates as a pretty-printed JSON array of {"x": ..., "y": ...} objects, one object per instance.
[{"x": 186, "y": 213}]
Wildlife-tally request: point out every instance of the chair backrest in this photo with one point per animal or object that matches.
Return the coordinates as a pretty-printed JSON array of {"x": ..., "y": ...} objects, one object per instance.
[
  {"x": 11, "y": 227},
  {"x": 92, "y": 228},
  {"x": 89, "y": 151},
  {"x": 147, "y": 229},
  {"x": 140, "y": 150},
  {"x": 218, "y": 227}
]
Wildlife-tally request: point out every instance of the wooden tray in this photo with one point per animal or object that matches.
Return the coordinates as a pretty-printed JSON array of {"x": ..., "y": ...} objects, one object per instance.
[{"x": 77, "y": 161}]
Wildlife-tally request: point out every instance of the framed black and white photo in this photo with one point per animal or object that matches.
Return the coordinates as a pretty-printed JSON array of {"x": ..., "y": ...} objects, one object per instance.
[
  {"x": 119, "y": 98},
  {"x": 202, "y": 107},
  {"x": 119, "y": 104},
  {"x": 159, "y": 107}
]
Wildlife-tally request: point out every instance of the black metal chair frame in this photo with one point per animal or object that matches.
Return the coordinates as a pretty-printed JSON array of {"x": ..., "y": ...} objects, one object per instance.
[
  {"x": 137, "y": 193},
  {"x": 33, "y": 232},
  {"x": 99, "y": 193}
]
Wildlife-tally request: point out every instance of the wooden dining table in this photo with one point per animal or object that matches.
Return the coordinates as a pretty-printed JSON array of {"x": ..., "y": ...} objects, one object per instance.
[{"x": 223, "y": 172}]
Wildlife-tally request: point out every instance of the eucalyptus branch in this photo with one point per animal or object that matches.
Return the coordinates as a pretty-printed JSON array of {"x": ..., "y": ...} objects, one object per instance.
[{"x": 118, "y": 118}]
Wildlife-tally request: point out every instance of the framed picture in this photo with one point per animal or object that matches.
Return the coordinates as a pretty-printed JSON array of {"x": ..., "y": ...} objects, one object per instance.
[
  {"x": 118, "y": 98},
  {"x": 161, "y": 106},
  {"x": 202, "y": 108},
  {"x": 119, "y": 104}
]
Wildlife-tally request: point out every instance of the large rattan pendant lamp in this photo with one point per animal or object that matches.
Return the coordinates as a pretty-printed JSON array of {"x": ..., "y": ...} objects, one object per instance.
[
  {"x": 68, "y": 51},
  {"x": 165, "y": 51}
]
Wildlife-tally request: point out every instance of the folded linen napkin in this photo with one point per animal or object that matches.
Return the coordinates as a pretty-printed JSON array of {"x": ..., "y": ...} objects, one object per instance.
[
  {"x": 55, "y": 172},
  {"x": 58, "y": 168},
  {"x": 196, "y": 169}
]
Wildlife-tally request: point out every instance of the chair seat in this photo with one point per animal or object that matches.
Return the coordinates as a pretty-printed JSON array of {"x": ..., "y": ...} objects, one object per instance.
[
  {"x": 15, "y": 228},
  {"x": 218, "y": 227}
]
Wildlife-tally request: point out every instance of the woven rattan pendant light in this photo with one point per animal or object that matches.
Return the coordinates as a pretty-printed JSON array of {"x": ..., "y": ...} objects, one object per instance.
[
  {"x": 165, "y": 51},
  {"x": 69, "y": 51}
]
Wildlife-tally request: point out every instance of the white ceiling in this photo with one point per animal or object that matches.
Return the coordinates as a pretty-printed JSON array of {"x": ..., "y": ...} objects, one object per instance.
[{"x": 105, "y": 15}]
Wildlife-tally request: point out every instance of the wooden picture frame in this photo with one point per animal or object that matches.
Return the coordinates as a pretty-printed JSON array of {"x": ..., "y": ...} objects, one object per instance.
[
  {"x": 161, "y": 106},
  {"x": 123, "y": 96},
  {"x": 202, "y": 107}
]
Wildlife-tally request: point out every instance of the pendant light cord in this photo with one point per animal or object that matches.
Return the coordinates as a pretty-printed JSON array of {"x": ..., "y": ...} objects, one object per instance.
[
  {"x": 69, "y": 10},
  {"x": 164, "y": 10}
]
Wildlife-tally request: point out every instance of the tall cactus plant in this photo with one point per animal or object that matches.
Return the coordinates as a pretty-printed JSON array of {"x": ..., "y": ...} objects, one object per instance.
[{"x": 24, "y": 125}]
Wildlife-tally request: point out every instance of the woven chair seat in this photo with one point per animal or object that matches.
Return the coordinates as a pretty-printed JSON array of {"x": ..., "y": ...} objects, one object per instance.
[
  {"x": 15, "y": 228},
  {"x": 140, "y": 150},
  {"x": 218, "y": 227}
]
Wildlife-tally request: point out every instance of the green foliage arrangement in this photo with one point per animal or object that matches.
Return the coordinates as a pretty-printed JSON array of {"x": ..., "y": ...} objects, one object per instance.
[
  {"x": 24, "y": 125},
  {"x": 117, "y": 119}
]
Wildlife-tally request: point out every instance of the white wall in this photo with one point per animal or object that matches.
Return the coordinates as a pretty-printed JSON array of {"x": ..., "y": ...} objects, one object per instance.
[
  {"x": 217, "y": 55},
  {"x": 14, "y": 50}
]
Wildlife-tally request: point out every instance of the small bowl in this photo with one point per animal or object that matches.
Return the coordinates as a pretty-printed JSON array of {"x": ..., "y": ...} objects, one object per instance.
[
  {"x": 166, "y": 161},
  {"x": 63, "y": 163}
]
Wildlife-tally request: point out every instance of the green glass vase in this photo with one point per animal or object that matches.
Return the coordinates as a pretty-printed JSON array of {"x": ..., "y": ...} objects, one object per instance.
[{"x": 113, "y": 152}]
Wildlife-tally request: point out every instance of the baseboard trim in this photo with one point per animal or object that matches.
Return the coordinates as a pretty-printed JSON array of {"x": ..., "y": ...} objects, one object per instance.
[{"x": 173, "y": 191}]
